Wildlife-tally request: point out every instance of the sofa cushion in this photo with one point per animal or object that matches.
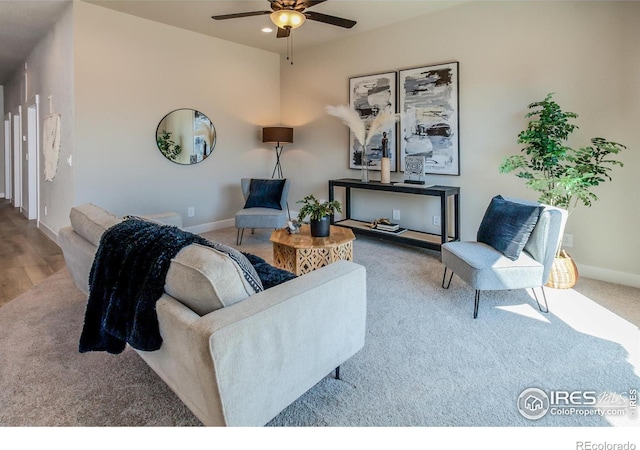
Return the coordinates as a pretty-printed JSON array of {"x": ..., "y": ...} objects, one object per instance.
[
  {"x": 205, "y": 279},
  {"x": 91, "y": 221},
  {"x": 265, "y": 194},
  {"x": 507, "y": 225}
]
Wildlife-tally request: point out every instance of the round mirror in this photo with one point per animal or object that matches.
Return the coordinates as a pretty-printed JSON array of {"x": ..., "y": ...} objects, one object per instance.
[{"x": 186, "y": 136}]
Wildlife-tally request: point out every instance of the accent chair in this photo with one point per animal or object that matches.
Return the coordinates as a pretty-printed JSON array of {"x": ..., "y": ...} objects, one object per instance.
[
  {"x": 265, "y": 205},
  {"x": 515, "y": 248}
]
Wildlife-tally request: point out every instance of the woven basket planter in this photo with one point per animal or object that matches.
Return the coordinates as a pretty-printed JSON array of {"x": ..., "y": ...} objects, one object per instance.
[{"x": 564, "y": 272}]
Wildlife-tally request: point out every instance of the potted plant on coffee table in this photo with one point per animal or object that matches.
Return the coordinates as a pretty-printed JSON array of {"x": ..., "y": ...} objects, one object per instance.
[
  {"x": 319, "y": 214},
  {"x": 563, "y": 176}
]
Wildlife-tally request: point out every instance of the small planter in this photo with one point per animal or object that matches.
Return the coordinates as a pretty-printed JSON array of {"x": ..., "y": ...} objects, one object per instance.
[
  {"x": 564, "y": 272},
  {"x": 320, "y": 227}
]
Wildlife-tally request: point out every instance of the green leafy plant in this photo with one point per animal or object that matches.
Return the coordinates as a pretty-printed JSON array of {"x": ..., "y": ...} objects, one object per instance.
[
  {"x": 563, "y": 176},
  {"x": 167, "y": 146},
  {"x": 316, "y": 210}
]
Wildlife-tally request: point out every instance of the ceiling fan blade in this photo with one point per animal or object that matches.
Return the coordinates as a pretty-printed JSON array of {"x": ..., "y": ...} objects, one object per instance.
[
  {"x": 308, "y": 4},
  {"x": 276, "y": 5},
  {"x": 283, "y": 32},
  {"x": 237, "y": 15},
  {"x": 331, "y": 20}
]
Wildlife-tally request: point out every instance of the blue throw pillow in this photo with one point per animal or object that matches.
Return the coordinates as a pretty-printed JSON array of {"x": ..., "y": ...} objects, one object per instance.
[
  {"x": 265, "y": 194},
  {"x": 506, "y": 225}
]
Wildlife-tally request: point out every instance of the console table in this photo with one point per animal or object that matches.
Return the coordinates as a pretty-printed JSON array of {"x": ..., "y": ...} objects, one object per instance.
[{"x": 412, "y": 237}]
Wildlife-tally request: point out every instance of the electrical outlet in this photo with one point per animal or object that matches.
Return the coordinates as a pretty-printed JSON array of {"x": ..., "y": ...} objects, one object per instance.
[
  {"x": 45, "y": 210},
  {"x": 396, "y": 214},
  {"x": 191, "y": 211},
  {"x": 567, "y": 240},
  {"x": 436, "y": 220}
]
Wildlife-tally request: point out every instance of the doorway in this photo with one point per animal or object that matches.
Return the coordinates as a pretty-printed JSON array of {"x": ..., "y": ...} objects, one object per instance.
[
  {"x": 17, "y": 160},
  {"x": 7, "y": 157},
  {"x": 31, "y": 164}
]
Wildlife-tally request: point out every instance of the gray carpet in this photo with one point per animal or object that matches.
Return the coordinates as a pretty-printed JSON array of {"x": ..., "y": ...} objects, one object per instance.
[{"x": 426, "y": 361}]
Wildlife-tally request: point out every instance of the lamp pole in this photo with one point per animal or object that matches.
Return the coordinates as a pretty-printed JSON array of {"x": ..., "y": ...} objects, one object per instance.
[{"x": 278, "y": 167}]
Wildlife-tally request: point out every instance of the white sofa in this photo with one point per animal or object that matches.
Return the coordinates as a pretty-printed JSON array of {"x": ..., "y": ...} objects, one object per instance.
[{"x": 239, "y": 365}]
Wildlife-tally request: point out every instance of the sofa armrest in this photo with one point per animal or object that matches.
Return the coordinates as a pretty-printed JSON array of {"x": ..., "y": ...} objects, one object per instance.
[{"x": 271, "y": 348}]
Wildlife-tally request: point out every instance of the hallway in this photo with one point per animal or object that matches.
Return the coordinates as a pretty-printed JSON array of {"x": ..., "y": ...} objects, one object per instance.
[{"x": 27, "y": 256}]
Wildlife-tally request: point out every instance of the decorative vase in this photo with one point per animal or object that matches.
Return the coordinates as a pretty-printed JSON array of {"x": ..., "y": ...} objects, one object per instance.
[
  {"x": 564, "y": 272},
  {"x": 364, "y": 173},
  {"x": 385, "y": 170},
  {"x": 320, "y": 227}
]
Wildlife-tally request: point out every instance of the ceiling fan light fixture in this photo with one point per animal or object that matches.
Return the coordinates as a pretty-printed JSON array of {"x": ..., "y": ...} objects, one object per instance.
[{"x": 287, "y": 18}]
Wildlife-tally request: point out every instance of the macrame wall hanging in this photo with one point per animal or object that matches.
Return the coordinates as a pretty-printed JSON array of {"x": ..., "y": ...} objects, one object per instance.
[{"x": 51, "y": 143}]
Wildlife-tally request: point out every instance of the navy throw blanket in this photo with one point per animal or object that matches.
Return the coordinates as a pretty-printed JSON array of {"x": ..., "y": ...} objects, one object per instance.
[{"x": 128, "y": 276}]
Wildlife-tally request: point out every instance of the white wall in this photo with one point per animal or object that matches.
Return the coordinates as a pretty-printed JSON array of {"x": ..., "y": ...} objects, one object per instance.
[
  {"x": 510, "y": 54},
  {"x": 131, "y": 72},
  {"x": 50, "y": 72}
]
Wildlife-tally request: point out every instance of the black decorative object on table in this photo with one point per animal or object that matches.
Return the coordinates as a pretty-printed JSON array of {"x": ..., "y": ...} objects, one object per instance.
[{"x": 320, "y": 227}]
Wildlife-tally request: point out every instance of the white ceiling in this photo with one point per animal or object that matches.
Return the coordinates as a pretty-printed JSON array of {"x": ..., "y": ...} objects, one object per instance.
[{"x": 24, "y": 22}]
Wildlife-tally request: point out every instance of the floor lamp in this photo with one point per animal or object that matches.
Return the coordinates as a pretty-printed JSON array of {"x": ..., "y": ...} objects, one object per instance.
[{"x": 278, "y": 136}]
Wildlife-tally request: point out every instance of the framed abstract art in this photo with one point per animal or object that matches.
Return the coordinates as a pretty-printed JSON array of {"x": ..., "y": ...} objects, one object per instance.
[
  {"x": 429, "y": 117},
  {"x": 369, "y": 95}
]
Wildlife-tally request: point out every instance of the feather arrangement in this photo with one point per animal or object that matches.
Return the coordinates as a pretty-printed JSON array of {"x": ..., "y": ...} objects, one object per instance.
[
  {"x": 382, "y": 122},
  {"x": 350, "y": 118}
]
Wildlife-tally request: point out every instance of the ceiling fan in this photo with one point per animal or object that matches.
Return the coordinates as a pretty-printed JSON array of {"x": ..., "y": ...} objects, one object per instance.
[{"x": 290, "y": 14}]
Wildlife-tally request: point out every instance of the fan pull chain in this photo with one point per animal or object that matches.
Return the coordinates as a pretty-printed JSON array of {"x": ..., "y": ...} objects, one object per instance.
[{"x": 290, "y": 48}]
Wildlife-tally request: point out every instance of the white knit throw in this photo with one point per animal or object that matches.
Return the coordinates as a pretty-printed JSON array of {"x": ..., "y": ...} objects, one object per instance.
[{"x": 51, "y": 145}]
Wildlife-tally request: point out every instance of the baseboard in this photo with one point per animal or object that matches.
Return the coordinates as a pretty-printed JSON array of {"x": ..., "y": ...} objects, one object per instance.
[
  {"x": 48, "y": 231},
  {"x": 211, "y": 226},
  {"x": 611, "y": 276}
]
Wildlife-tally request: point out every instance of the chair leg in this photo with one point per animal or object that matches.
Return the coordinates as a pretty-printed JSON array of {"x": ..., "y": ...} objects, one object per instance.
[
  {"x": 444, "y": 276},
  {"x": 239, "y": 235},
  {"x": 253, "y": 231},
  {"x": 476, "y": 304},
  {"x": 544, "y": 297}
]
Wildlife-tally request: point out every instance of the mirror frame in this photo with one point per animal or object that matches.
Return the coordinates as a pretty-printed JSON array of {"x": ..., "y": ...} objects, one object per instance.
[{"x": 172, "y": 140}]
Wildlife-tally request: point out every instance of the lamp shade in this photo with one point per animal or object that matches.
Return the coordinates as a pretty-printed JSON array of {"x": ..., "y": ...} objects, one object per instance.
[
  {"x": 287, "y": 18},
  {"x": 277, "y": 134}
]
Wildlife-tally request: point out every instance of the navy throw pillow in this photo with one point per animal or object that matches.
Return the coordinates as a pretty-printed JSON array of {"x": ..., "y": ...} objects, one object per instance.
[
  {"x": 270, "y": 276},
  {"x": 506, "y": 225},
  {"x": 265, "y": 194}
]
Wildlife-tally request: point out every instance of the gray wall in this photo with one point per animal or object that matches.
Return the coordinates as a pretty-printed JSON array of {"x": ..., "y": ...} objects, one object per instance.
[
  {"x": 131, "y": 72},
  {"x": 510, "y": 54}
]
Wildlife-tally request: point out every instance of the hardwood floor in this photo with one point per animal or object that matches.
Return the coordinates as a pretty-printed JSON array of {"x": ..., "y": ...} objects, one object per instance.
[{"x": 27, "y": 256}]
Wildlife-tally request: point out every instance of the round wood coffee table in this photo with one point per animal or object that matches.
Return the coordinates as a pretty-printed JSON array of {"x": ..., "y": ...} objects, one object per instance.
[{"x": 302, "y": 253}]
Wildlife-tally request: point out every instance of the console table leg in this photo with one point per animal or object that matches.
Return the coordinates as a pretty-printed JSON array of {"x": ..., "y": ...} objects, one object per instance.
[{"x": 444, "y": 219}]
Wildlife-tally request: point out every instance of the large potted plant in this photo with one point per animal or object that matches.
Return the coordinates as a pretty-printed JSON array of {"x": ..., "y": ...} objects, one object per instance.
[
  {"x": 562, "y": 176},
  {"x": 319, "y": 214}
]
